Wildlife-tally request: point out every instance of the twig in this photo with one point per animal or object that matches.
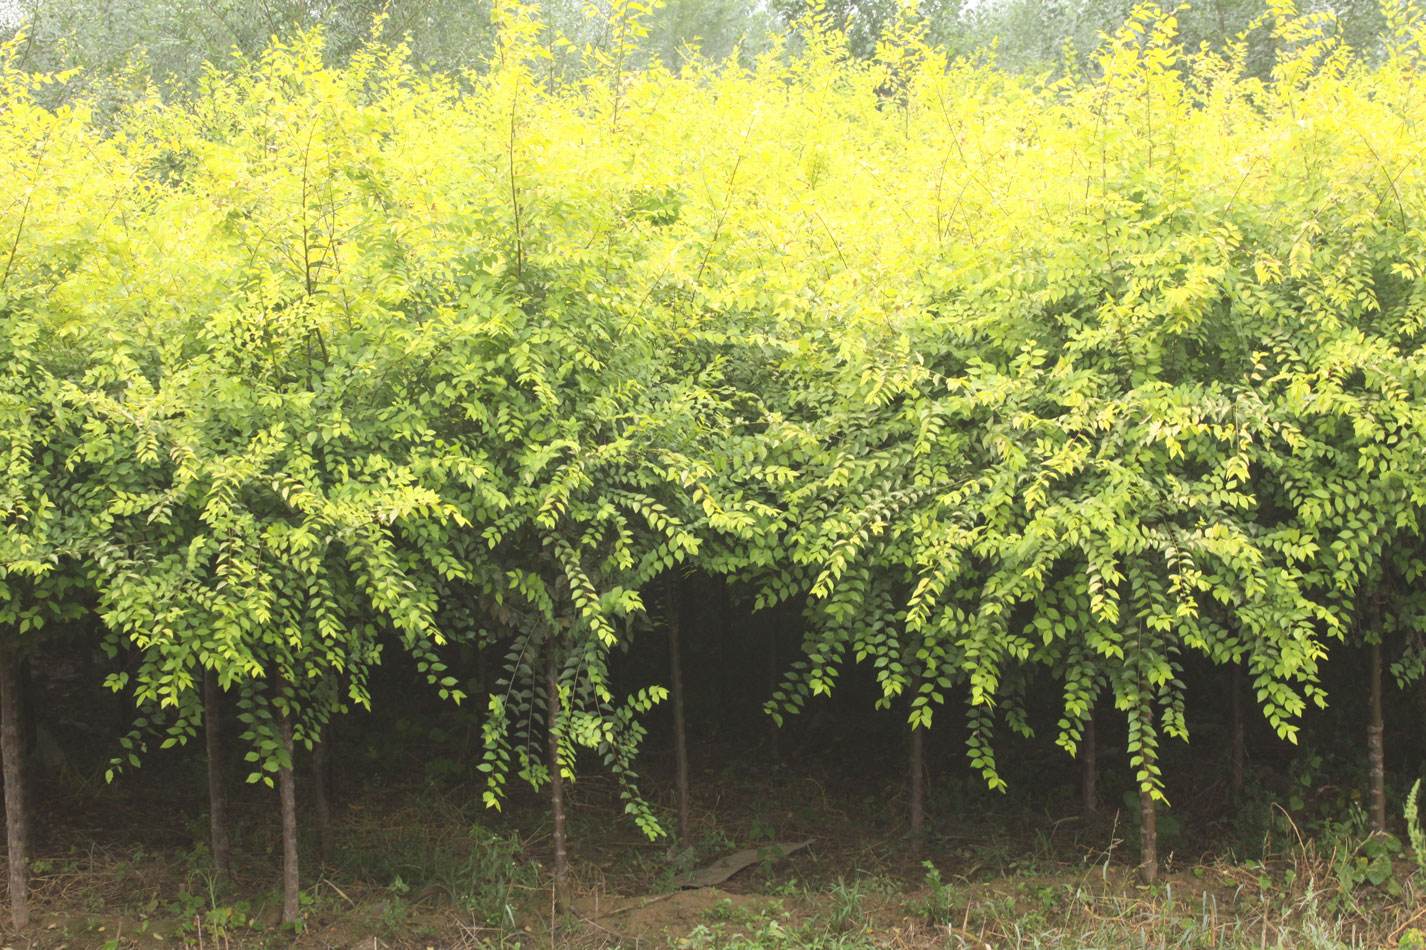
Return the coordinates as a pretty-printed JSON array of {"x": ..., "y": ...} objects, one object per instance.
[
  {"x": 340, "y": 892},
  {"x": 639, "y": 905}
]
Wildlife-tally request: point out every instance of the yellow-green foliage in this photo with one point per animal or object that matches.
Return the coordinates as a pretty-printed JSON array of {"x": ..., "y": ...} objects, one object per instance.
[{"x": 1003, "y": 376}]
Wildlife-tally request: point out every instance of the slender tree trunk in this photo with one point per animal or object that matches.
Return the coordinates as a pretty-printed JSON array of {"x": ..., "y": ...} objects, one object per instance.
[
  {"x": 680, "y": 736},
  {"x": 1148, "y": 812},
  {"x": 1376, "y": 752},
  {"x": 774, "y": 733},
  {"x": 1148, "y": 838},
  {"x": 1239, "y": 752},
  {"x": 917, "y": 765},
  {"x": 287, "y": 795},
  {"x": 730, "y": 685},
  {"x": 32, "y": 762},
  {"x": 554, "y": 725},
  {"x": 30, "y": 729},
  {"x": 1089, "y": 768},
  {"x": 12, "y": 751},
  {"x": 320, "y": 800},
  {"x": 217, "y": 787}
]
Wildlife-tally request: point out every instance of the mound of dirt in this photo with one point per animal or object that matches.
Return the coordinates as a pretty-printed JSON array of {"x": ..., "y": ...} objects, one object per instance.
[{"x": 655, "y": 918}]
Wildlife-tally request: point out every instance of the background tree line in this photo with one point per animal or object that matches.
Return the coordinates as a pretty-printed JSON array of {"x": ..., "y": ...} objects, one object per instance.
[{"x": 119, "y": 44}]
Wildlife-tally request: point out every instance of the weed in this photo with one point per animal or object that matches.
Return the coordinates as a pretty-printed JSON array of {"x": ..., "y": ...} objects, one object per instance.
[
  {"x": 1370, "y": 863},
  {"x": 846, "y": 912},
  {"x": 1414, "y": 832},
  {"x": 938, "y": 905},
  {"x": 394, "y": 914}
]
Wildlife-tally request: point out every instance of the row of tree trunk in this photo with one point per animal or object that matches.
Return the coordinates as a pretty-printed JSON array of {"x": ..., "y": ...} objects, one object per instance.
[
  {"x": 12, "y": 743},
  {"x": 554, "y": 713},
  {"x": 1148, "y": 811},
  {"x": 220, "y": 842}
]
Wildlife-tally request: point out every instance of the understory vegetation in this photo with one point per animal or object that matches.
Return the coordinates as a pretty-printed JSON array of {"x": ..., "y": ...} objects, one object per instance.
[{"x": 928, "y": 448}]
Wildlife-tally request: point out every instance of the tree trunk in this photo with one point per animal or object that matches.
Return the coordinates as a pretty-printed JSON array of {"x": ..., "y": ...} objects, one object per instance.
[
  {"x": 322, "y": 804},
  {"x": 1089, "y": 768},
  {"x": 680, "y": 737},
  {"x": 1239, "y": 753},
  {"x": 217, "y": 787},
  {"x": 730, "y": 685},
  {"x": 30, "y": 729},
  {"x": 1148, "y": 837},
  {"x": 553, "y": 714},
  {"x": 32, "y": 763},
  {"x": 774, "y": 733},
  {"x": 1148, "y": 808},
  {"x": 918, "y": 790},
  {"x": 287, "y": 795},
  {"x": 1376, "y": 752},
  {"x": 12, "y": 751}
]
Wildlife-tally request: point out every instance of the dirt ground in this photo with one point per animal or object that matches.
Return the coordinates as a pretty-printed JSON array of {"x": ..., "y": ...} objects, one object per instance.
[{"x": 419, "y": 863}]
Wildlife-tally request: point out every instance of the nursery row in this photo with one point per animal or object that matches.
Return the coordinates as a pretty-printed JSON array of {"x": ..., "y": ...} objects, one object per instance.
[{"x": 1001, "y": 385}]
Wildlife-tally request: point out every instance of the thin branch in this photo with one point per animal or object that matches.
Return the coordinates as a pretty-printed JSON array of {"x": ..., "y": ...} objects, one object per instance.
[
  {"x": 723, "y": 215},
  {"x": 15, "y": 244},
  {"x": 515, "y": 200},
  {"x": 25, "y": 211}
]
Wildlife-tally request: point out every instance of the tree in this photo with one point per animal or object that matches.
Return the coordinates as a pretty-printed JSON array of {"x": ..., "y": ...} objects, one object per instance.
[{"x": 50, "y": 364}]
